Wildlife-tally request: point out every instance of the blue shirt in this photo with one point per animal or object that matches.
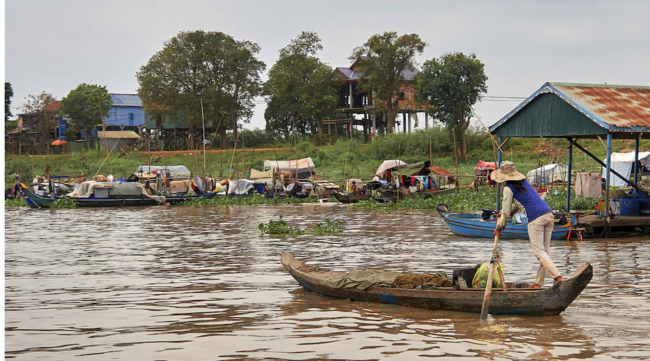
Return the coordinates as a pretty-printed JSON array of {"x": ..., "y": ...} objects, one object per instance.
[{"x": 534, "y": 205}]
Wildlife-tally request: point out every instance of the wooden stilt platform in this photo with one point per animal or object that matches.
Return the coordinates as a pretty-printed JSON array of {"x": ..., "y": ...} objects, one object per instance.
[{"x": 619, "y": 225}]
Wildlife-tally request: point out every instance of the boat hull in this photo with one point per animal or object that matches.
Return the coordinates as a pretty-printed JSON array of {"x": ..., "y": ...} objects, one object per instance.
[
  {"x": 472, "y": 225},
  {"x": 516, "y": 301},
  {"x": 35, "y": 201},
  {"x": 344, "y": 198}
]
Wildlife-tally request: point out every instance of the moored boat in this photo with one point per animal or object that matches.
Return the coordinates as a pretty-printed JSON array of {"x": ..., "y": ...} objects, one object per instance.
[
  {"x": 517, "y": 300},
  {"x": 346, "y": 198},
  {"x": 473, "y": 225}
]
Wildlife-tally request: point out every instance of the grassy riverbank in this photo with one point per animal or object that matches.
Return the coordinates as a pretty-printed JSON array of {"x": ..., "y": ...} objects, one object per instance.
[{"x": 342, "y": 160}]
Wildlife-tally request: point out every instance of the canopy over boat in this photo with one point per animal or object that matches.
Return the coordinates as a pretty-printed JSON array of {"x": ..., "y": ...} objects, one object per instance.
[
  {"x": 483, "y": 166},
  {"x": 299, "y": 168},
  {"x": 389, "y": 164}
]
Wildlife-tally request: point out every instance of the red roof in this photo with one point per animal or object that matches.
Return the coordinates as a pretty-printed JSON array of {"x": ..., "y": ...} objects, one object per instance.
[{"x": 54, "y": 106}]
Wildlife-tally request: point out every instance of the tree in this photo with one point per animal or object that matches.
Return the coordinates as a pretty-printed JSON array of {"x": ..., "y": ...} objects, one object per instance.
[
  {"x": 86, "y": 106},
  {"x": 451, "y": 85},
  {"x": 209, "y": 68},
  {"x": 40, "y": 114},
  {"x": 383, "y": 60},
  {"x": 300, "y": 95},
  {"x": 9, "y": 93}
]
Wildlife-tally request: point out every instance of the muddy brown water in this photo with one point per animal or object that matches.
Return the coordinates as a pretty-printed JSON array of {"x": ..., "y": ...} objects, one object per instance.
[{"x": 200, "y": 283}]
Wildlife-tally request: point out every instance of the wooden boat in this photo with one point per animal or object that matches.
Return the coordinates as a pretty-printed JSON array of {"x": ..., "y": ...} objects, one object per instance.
[
  {"x": 346, "y": 198},
  {"x": 390, "y": 195},
  {"x": 179, "y": 199},
  {"x": 473, "y": 225},
  {"x": 35, "y": 201},
  {"x": 518, "y": 300}
]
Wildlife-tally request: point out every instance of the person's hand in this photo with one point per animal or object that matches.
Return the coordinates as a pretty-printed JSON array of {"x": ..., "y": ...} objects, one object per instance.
[
  {"x": 497, "y": 233},
  {"x": 498, "y": 215}
]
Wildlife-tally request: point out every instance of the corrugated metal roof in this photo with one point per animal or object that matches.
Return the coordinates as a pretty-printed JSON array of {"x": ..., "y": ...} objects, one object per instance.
[
  {"x": 126, "y": 100},
  {"x": 352, "y": 75},
  {"x": 118, "y": 134},
  {"x": 617, "y": 108}
]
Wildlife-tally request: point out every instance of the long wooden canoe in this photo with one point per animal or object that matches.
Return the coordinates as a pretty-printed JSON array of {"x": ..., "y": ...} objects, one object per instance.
[{"x": 518, "y": 300}]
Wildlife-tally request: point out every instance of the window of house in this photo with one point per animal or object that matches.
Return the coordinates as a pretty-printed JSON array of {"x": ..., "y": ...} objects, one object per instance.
[
  {"x": 130, "y": 116},
  {"x": 400, "y": 96},
  {"x": 111, "y": 115}
]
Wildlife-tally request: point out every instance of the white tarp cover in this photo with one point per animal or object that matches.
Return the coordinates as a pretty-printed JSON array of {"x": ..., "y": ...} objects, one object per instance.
[
  {"x": 173, "y": 169},
  {"x": 86, "y": 189},
  {"x": 305, "y": 167},
  {"x": 239, "y": 186},
  {"x": 548, "y": 174},
  {"x": 623, "y": 163},
  {"x": 389, "y": 164}
]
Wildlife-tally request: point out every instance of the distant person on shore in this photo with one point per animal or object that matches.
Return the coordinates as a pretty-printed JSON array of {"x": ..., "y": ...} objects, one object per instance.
[{"x": 539, "y": 214}]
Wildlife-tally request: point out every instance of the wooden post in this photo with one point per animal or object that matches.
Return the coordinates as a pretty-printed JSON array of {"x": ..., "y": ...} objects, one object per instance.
[
  {"x": 373, "y": 131},
  {"x": 426, "y": 120},
  {"x": 456, "y": 156}
]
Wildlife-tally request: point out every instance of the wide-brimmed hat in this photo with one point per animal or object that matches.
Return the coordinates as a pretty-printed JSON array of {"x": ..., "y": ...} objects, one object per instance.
[{"x": 507, "y": 172}]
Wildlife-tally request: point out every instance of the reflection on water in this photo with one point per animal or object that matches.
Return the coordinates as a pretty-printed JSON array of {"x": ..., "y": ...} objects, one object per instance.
[{"x": 201, "y": 284}]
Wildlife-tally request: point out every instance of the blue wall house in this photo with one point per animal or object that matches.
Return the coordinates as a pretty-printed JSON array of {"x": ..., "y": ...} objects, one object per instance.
[{"x": 126, "y": 113}]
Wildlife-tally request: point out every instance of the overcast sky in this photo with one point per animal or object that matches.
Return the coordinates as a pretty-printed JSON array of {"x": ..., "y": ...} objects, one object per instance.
[{"x": 54, "y": 46}]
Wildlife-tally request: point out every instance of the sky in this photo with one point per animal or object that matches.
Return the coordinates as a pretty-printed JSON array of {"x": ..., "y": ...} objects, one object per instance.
[{"x": 54, "y": 46}]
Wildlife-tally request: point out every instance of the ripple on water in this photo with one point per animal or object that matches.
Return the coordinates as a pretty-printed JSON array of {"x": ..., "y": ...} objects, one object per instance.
[{"x": 201, "y": 283}]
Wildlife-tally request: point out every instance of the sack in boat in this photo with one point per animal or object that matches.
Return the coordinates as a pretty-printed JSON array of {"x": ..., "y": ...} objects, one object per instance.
[
  {"x": 481, "y": 276},
  {"x": 411, "y": 281}
]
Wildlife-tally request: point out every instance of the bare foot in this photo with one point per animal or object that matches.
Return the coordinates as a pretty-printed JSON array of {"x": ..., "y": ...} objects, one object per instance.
[
  {"x": 557, "y": 279},
  {"x": 534, "y": 286}
]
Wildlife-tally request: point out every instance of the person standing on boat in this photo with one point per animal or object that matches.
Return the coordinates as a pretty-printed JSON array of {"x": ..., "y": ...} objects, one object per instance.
[{"x": 518, "y": 194}]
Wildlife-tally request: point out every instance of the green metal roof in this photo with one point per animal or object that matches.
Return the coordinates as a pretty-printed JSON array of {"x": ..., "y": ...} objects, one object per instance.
[{"x": 579, "y": 110}]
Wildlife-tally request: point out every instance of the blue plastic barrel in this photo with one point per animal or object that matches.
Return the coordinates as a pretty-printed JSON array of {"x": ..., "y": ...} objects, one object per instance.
[
  {"x": 629, "y": 207},
  {"x": 644, "y": 207}
]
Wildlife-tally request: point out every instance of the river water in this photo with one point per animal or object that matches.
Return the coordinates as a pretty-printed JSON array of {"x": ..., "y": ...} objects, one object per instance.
[{"x": 201, "y": 283}]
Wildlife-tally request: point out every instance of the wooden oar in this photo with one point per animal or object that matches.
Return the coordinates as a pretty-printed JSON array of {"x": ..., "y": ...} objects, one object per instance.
[{"x": 488, "y": 286}]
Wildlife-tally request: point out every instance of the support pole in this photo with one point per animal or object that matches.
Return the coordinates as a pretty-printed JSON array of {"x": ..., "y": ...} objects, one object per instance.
[
  {"x": 608, "y": 173},
  {"x": 568, "y": 178},
  {"x": 351, "y": 100},
  {"x": 426, "y": 120},
  {"x": 499, "y": 156},
  {"x": 404, "y": 122},
  {"x": 636, "y": 159},
  {"x": 409, "y": 120},
  {"x": 373, "y": 132}
]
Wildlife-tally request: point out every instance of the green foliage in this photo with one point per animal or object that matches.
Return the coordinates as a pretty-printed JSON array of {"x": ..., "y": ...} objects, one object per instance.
[
  {"x": 450, "y": 85},
  {"x": 278, "y": 227},
  {"x": 64, "y": 203},
  {"x": 255, "y": 199},
  {"x": 468, "y": 200},
  {"x": 383, "y": 58},
  {"x": 86, "y": 105},
  {"x": 41, "y": 118},
  {"x": 300, "y": 94},
  {"x": 329, "y": 227},
  {"x": 16, "y": 202},
  {"x": 9, "y": 93},
  {"x": 202, "y": 68}
]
